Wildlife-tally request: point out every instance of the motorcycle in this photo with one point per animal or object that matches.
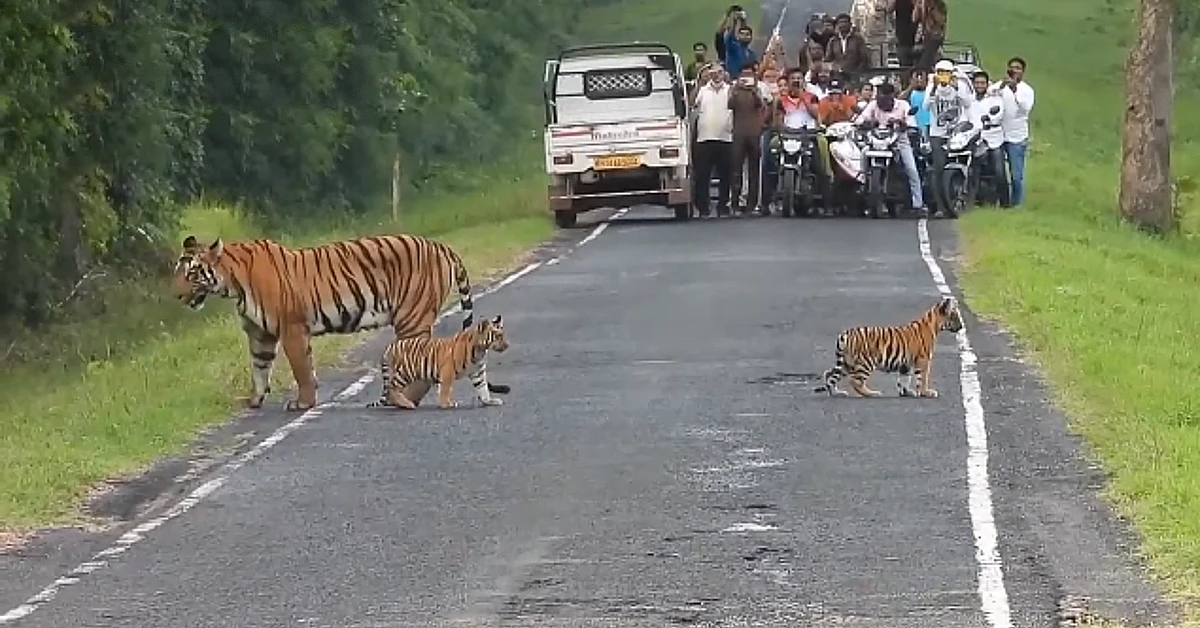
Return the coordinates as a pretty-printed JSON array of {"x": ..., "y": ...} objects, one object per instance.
[
  {"x": 887, "y": 189},
  {"x": 845, "y": 151},
  {"x": 964, "y": 146},
  {"x": 799, "y": 189}
]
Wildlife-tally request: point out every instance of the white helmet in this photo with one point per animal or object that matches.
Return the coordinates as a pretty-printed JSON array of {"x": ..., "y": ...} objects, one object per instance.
[{"x": 945, "y": 65}]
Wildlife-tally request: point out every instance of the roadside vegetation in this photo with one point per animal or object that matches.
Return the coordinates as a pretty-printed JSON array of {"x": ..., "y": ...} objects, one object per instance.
[
  {"x": 1107, "y": 311},
  {"x": 106, "y": 168}
]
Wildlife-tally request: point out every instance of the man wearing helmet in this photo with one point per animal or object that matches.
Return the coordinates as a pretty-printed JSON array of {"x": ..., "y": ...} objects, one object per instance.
[{"x": 949, "y": 102}]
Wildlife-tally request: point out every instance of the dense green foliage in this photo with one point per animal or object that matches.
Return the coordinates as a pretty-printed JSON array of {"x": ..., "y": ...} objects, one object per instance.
[{"x": 115, "y": 112}]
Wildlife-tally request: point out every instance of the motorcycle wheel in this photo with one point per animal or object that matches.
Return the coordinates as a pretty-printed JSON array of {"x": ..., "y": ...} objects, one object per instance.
[
  {"x": 876, "y": 197},
  {"x": 958, "y": 194},
  {"x": 789, "y": 194},
  {"x": 808, "y": 200}
]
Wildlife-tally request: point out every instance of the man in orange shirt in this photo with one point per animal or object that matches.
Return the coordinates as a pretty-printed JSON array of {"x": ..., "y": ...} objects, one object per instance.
[{"x": 837, "y": 105}]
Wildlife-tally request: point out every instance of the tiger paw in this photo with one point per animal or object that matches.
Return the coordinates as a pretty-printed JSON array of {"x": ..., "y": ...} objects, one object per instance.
[
  {"x": 837, "y": 392},
  {"x": 931, "y": 394},
  {"x": 907, "y": 392},
  {"x": 448, "y": 406},
  {"x": 493, "y": 401},
  {"x": 294, "y": 405},
  {"x": 252, "y": 402}
]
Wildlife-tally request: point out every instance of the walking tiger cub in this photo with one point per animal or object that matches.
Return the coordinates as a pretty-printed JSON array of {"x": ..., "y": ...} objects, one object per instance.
[
  {"x": 442, "y": 361},
  {"x": 903, "y": 349},
  {"x": 287, "y": 296}
]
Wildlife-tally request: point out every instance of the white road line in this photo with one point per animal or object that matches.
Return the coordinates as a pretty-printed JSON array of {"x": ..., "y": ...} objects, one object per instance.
[
  {"x": 992, "y": 594},
  {"x": 222, "y": 475}
]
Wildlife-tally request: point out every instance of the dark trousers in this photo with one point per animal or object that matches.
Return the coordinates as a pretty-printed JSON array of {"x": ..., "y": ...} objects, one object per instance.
[
  {"x": 992, "y": 164},
  {"x": 747, "y": 153},
  {"x": 931, "y": 47},
  {"x": 709, "y": 156},
  {"x": 937, "y": 170}
]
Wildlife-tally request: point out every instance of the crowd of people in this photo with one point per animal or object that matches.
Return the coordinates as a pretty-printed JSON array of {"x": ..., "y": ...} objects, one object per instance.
[{"x": 742, "y": 101}]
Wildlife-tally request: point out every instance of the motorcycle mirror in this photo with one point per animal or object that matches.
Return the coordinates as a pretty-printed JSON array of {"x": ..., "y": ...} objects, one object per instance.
[{"x": 994, "y": 110}]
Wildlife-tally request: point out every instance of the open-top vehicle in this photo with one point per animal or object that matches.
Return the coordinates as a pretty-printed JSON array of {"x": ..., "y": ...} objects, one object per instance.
[{"x": 617, "y": 131}]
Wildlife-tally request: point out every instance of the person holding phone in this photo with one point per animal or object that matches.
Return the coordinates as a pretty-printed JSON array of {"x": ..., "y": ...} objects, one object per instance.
[
  {"x": 735, "y": 18},
  {"x": 1018, "y": 102}
]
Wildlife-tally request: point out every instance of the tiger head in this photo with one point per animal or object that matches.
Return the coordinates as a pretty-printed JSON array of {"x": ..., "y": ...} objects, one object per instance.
[
  {"x": 949, "y": 316},
  {"x": 489, "y": 335},
  {"x": 197, "y": 274}
]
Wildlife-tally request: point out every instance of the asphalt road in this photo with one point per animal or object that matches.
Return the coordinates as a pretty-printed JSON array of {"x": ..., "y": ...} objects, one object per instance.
[{"x": 661, "y": 460}]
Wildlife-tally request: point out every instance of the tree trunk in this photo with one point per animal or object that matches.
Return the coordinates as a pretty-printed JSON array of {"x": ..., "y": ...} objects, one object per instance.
[{"x": 1146, "y": 197}]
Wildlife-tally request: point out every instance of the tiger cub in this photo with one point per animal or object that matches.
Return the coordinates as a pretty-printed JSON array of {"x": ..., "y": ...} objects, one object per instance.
[
  {"x": 441, "y": 361},
  {"x": 903, "y": 349}
]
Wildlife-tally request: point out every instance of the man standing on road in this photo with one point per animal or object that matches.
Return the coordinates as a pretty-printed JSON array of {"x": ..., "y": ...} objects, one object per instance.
[
  {"x": 749, "y": 113},
  {"x": 986, "y": 97},
  {"x": 847, "y": 50},
  {"x": 1018, "y": 102},
  {"x": 949, "y": 103},
  {"x": 714, "y": 137}
]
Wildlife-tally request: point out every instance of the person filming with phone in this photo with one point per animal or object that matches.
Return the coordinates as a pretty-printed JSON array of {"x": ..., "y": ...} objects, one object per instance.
[{"x": 1018, "y": 102}]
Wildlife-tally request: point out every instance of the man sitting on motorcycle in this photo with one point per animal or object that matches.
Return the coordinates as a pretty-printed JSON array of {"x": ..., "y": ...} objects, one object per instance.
[
  {"x": 887, "y": 110},
  {"x": 837, "y": 105},
  {"x": 798, "y": 109},
  {"x": 950, "y": 103}
]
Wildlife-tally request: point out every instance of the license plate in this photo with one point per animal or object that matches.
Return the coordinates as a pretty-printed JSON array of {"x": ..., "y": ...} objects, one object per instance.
[{"x": 618, "y": 162}]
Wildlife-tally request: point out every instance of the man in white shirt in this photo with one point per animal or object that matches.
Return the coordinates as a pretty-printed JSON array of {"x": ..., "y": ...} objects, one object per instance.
[
  {"x": 986, "y": 97},
  {"x": 714, "y": 142},
  {"x": 1018, "y": 102},
  {"x": 949, "y": 102}
]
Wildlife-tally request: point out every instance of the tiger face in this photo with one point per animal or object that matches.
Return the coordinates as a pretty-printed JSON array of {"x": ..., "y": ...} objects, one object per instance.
[
  {"x": 951, "y": 317},
  {"x": 196, "y": 275},
  {"x": 491, "y": 335}
]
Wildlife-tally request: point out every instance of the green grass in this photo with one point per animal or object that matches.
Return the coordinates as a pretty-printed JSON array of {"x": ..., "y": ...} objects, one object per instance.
[
  {"x": 140, "y": 375},
  {"x": 1107, "y": 312}
]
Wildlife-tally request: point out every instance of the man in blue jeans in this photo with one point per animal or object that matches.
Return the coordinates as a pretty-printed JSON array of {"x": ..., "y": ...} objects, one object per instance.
[{"x": 1018, "y": 102}]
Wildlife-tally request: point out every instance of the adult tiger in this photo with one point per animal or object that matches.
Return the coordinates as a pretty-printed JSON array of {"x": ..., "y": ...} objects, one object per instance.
[
  {"x": 904, "y": 349},
  {"x": 287, "y": 296},
  {"x": 441, "y": 360}
]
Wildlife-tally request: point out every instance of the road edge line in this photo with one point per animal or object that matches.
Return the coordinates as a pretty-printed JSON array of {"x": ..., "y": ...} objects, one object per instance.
[
  {"x": 992, "y": 593},
  {"x": 222, "y": 474}
]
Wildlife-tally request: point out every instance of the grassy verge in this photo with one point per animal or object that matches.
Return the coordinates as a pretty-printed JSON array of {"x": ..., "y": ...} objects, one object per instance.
[
  {"x": 1107, "y": 312},
  {"x": 105, "y": 396}
]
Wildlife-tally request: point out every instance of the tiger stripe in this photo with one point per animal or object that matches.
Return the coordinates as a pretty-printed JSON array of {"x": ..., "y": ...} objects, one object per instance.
[
  {"x": 441, "y": 361},
  {"x": 903, "y": 349},
  {"x": 287, "y": 296}
]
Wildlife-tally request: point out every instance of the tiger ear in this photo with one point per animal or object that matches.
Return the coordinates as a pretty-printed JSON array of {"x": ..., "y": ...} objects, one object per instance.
[
  {"x": 214, "y": 250},
  {"x": 190, "y": 245},
  {"x": 497, "y": 321},
  {"x": 946, "y": 306}
]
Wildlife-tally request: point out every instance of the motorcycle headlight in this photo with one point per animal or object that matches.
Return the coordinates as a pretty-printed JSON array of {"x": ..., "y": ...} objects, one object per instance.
[
  {"x": 956, "y": 142},
  {"x": 791, "y": 146}
]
